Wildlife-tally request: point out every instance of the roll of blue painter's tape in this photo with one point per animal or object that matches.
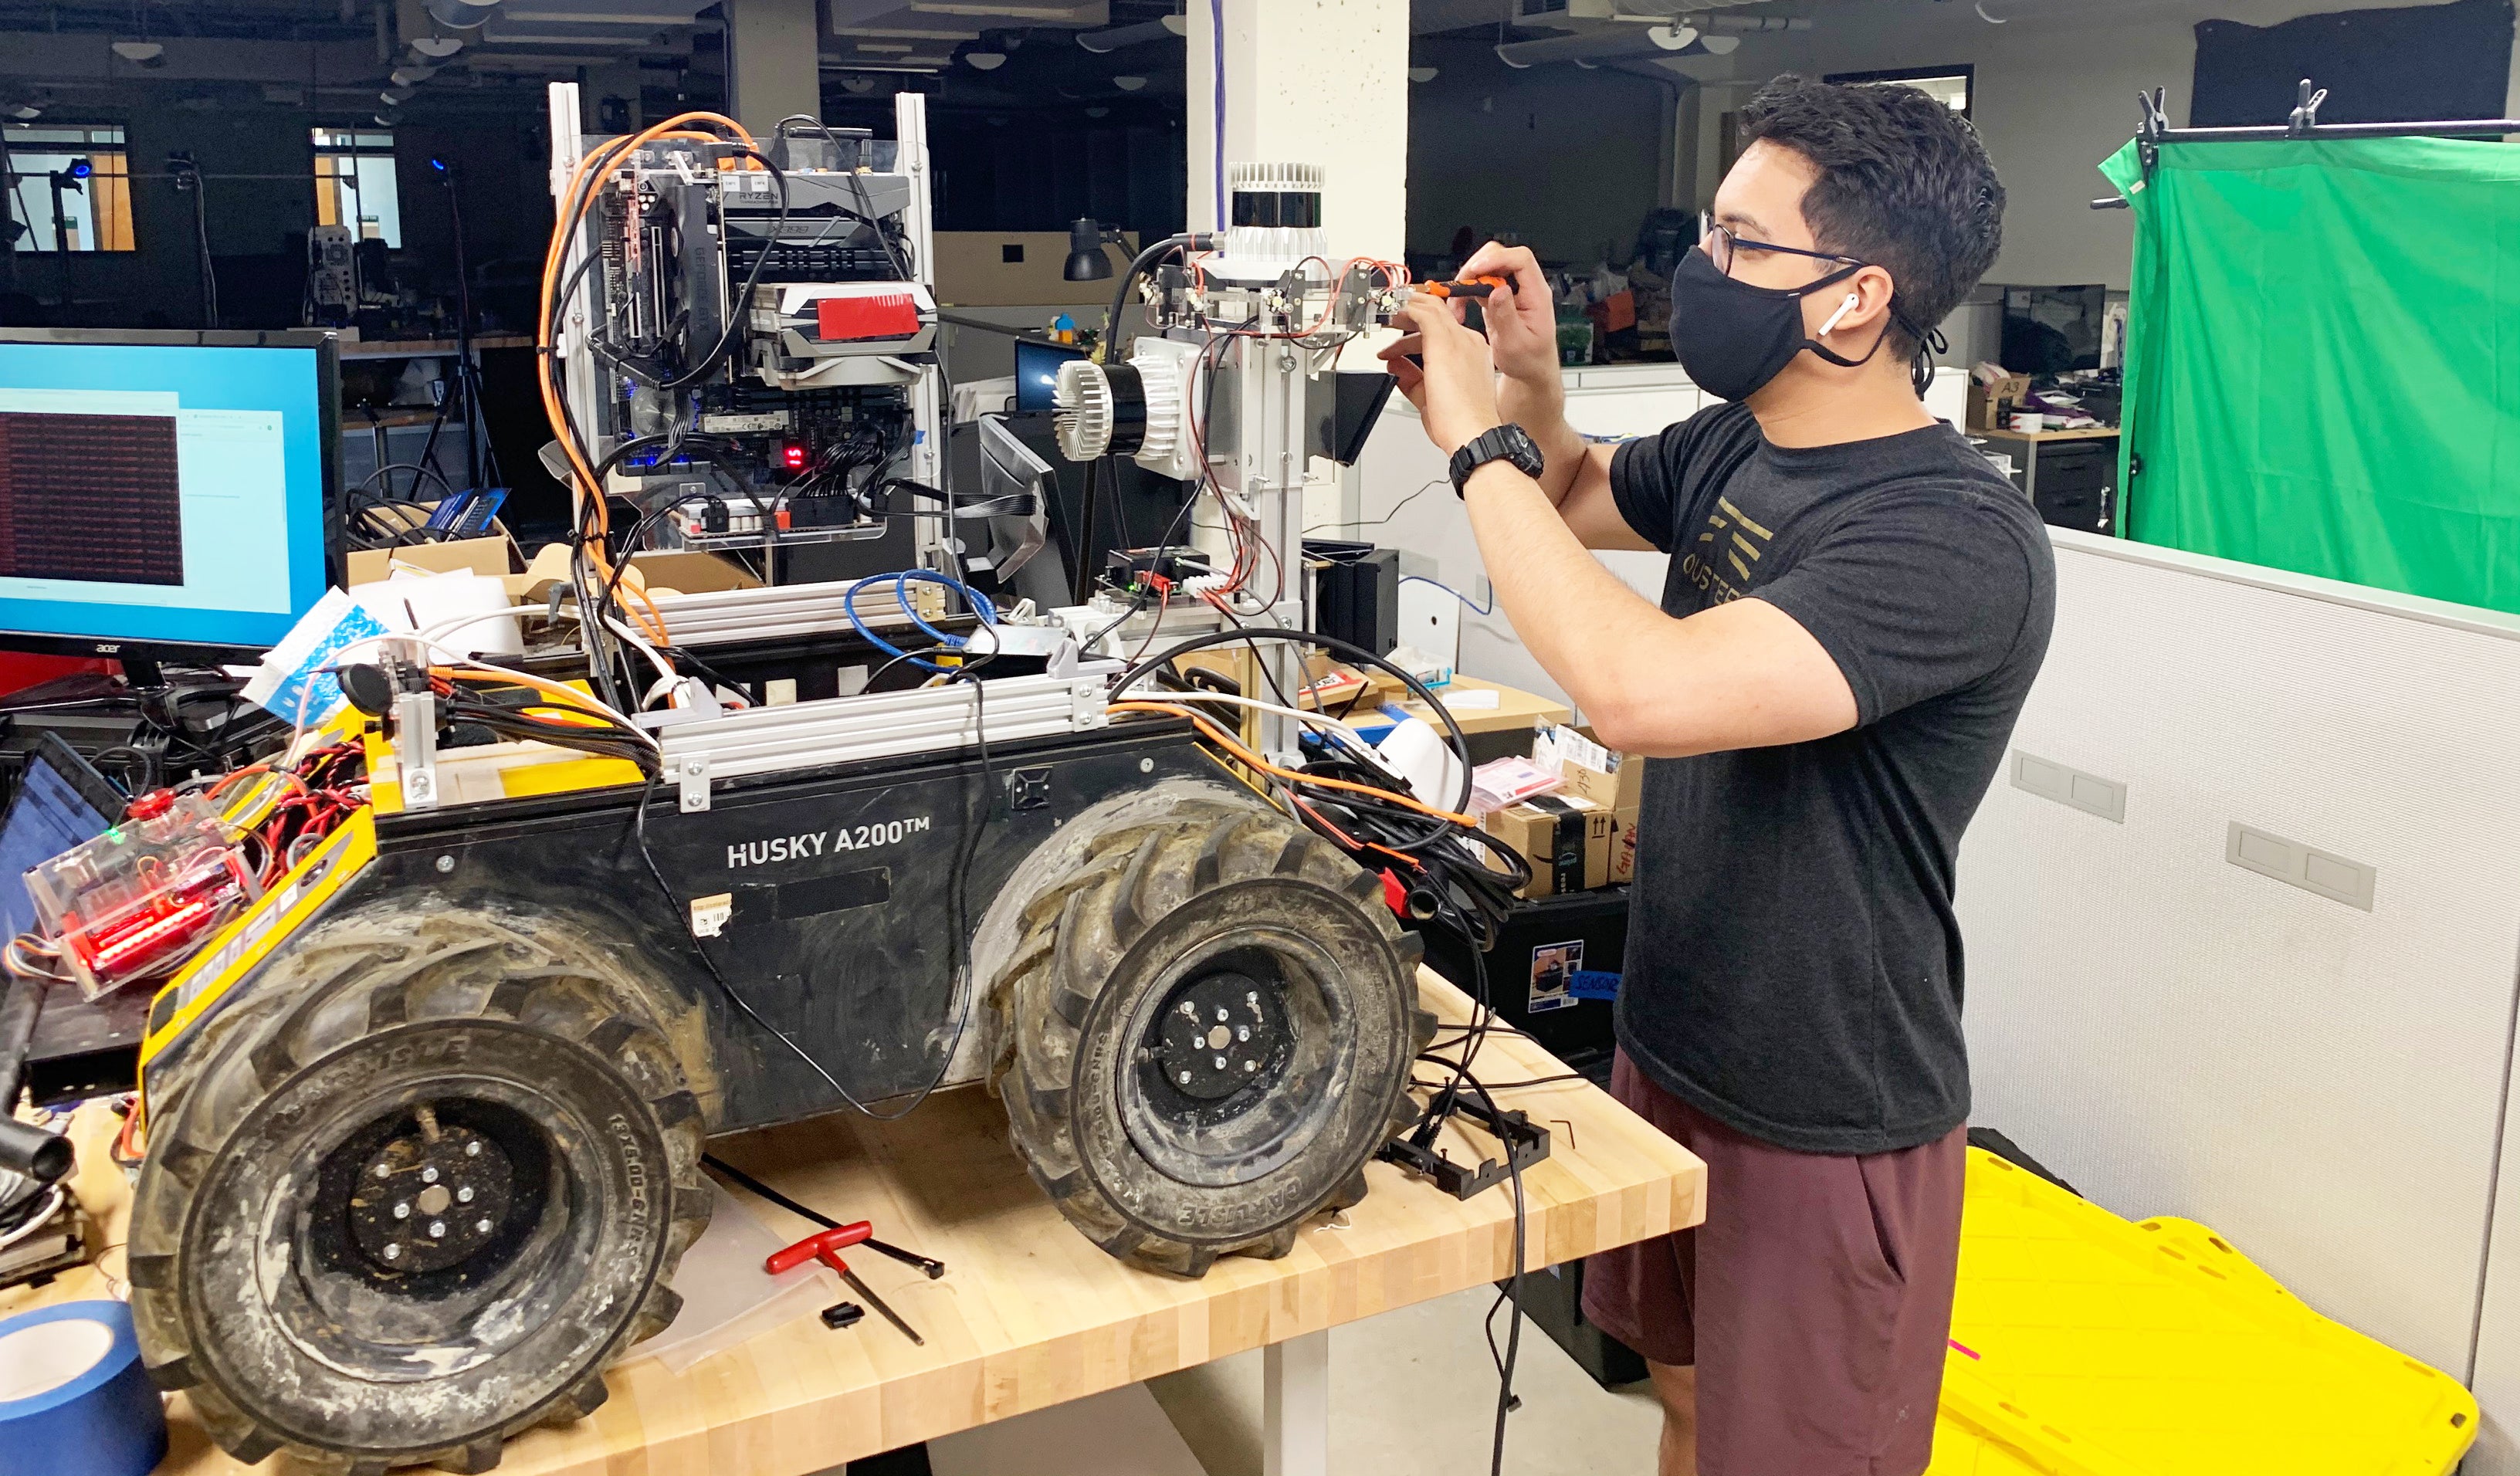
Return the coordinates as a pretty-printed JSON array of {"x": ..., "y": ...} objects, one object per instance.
[{"x": 74, "y": 1397}]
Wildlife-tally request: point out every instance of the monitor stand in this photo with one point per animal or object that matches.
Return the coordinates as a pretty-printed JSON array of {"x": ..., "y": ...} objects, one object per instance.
[{"x": 142, "y": 675}]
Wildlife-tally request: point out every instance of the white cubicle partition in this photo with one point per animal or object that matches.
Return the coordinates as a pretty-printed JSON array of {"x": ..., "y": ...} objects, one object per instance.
[{"x": 2316, "y": 1065}]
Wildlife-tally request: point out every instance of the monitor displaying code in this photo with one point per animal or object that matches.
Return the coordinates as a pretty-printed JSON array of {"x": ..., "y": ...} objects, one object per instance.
[
  {"x": 94, "y": 497},
  {"x": 167, "y": 494}
]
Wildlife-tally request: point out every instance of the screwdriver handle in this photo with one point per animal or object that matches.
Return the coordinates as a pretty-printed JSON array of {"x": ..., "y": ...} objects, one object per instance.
[{"x": 823, "y": 1245}]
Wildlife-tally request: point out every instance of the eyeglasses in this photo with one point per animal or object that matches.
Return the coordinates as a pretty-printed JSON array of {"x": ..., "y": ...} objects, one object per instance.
[{"x": 1724, "y": 246}]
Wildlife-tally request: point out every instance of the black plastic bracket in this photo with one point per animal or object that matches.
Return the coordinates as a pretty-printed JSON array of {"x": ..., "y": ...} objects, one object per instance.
[{"x": 1526, "y": 1143}]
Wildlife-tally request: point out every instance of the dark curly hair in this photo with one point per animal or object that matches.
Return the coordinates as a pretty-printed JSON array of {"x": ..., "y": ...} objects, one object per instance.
[{"x": 1904, "y": 184}]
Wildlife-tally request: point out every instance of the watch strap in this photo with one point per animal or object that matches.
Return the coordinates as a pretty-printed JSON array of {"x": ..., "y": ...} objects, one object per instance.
[{"x": 1506, "y": 442}]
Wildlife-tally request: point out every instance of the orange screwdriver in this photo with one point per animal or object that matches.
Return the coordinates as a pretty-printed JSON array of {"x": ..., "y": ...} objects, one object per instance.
[{"x": 1474, "y": 287}]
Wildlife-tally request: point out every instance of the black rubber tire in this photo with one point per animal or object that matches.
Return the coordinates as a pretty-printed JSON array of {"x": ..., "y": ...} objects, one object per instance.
[
  {"x": 1100, "y": 951},
  {"x": 248, "y": 1290}
]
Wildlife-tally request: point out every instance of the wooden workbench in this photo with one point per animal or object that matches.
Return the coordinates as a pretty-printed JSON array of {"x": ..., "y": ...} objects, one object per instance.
[{"x": 1030, "y": 1314}]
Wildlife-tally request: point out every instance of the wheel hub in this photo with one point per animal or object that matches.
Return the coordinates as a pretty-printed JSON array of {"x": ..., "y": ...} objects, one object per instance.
[
  {"x": 431, "y": 1197},
  {"x": 1218, "y": 1034}
]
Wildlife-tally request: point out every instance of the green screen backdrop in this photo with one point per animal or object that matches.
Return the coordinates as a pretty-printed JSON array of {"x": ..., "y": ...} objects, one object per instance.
[{"x": 2322, "y": 360}]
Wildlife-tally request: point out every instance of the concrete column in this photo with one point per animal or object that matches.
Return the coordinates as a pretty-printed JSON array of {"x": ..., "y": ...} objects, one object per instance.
[
  {"x": 774, "y": 61},
  {"x": 1308, "y": 82}
]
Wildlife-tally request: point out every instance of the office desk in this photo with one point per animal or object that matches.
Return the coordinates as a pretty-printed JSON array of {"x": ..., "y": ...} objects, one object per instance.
[{"x": 2071, "y": 477}]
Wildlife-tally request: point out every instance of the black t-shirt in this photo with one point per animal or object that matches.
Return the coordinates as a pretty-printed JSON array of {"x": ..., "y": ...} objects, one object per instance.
[{"x": 1793, "y": 963}]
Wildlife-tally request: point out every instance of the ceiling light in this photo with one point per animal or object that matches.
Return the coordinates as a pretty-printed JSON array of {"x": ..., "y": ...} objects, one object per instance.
[
  {"x": 1598, "y": 46},
  {"x": 459, "y": 15},
  {"x": 1129, "y": 84},
  {"x": 858, "y": 84},
  {"x": 24, "y": 113},
  {"x": 388, "y": 117},
  {"x": 1422, "y": 73},
  {"x": 141, "y": 53},
  {"x": 411, "y": 75},
  {"x": 437, "y": 48},
  {"x": 1099, "y": 42},
  {"x": 984, "y": 60},
  {"x": 1097, "y": 112},
  {"x": 1720, "y": 45},
  {"x": 394, "y": 97}
]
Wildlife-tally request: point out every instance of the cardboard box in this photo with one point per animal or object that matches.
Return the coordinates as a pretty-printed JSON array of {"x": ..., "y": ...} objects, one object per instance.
[
  {"x": 1990, "y": 405},
  {"x": 1621, "y": 787},
  {"x": 1566, "y": 839},
  {"x": 481, "y": 556},
  {"x": 1343, "y": 688},
  {"x": 689, "y": 571},
  {"x": 1613, "y": 780},
  {"x": 1623, "y": 846}
]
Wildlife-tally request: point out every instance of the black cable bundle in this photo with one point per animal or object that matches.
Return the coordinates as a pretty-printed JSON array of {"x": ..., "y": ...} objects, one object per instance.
[{"x": 591, "y": 732}]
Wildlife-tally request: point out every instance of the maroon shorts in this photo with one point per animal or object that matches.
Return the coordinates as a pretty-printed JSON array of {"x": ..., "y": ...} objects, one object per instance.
[{"x": 1815, "y": 1301}]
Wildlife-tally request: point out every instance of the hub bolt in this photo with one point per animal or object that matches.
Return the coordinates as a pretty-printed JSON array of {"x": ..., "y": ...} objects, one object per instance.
[
  {"x": 438, "y": 1230},
  {"x": 429, "y": 1175},
  {"x": 1185, "y": 1078},
  {"x": 393, "y": 1252},
  {"x": 1220, "y": 1063},
  {"x": 472, "y": 1150},
  {"x": 402, "y": 1210},
  {"x": 481, "y": 1226},
  {"x": 463, "y": 1195}
]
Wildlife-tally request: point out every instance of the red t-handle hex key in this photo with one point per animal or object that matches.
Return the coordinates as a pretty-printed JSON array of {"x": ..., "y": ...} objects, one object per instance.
[{"x": 824, "y": 1246}]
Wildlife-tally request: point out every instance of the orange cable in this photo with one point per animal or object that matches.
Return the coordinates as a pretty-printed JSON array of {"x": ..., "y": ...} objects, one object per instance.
[
  {"x": 1246, "y": 756},
  {"x": 554, "y": 255}
]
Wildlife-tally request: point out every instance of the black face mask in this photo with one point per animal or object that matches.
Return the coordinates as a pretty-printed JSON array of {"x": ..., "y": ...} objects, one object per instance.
[{"x": 1732, "y": 337}]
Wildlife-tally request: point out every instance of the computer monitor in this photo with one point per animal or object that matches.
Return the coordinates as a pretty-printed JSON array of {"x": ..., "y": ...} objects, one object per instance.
[
  {"x": 163, "y": 493},
  {"x": 1037, "y": 372},
  {"x": 61, "y": 802},
  {"x": 2050, "y": 330}
]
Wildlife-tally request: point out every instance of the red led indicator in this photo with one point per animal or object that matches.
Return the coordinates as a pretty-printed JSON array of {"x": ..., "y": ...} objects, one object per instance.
[{"x": 792, "y": 458}]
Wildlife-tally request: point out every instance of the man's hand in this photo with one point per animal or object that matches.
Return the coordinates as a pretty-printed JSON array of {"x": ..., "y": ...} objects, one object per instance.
[
  {"x": 1522, "y": 325},
  {"x": 1455, "y": 392}
]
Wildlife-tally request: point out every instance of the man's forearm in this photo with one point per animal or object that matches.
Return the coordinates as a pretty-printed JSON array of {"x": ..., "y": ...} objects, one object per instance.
[
  {"x": 1574, "y": 616},
  {"x": 1541, "y": 411}
]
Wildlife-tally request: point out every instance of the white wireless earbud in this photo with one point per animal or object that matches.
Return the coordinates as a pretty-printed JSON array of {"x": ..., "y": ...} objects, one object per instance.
[{"x": 1843, "y": 308}]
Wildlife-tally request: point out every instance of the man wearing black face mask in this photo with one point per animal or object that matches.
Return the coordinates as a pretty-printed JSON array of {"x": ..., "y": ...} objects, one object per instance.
[{"x": 1856, "y": 607}]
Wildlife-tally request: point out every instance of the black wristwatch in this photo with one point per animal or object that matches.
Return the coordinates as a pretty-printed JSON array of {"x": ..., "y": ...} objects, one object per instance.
[{"x": 1510, "y": 443}]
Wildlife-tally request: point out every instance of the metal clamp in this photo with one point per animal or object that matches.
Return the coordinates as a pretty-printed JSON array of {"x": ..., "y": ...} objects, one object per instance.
[
  {"x": 692, "y": 781},
  {"x": 414, "y": 748}
]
